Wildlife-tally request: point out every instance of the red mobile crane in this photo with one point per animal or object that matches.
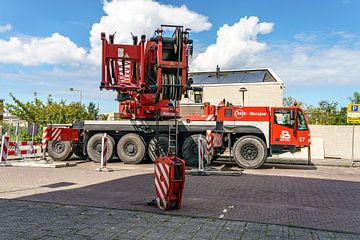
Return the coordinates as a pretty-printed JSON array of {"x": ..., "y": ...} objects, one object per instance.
[{"x": 150, "y": 78}]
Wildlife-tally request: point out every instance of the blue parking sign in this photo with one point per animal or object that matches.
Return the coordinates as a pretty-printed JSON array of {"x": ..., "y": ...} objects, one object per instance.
[{"x": 354, "y": 108}]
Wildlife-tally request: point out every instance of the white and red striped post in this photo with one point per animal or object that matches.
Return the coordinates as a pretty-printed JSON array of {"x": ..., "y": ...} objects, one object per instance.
[
  {"x": 209, "y": 145},
  {"x": 44, "y": 141},
  {"x": 103, "y": 159},
  {"x": 104, "y": 150},
  {"x": 4, "y": 149},
  {"x": 201, "y": 153}
]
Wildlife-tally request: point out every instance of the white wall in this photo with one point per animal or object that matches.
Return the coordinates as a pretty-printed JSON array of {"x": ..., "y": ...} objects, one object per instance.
[
  {"x": 259, "y": 94},
  {"x": 330, "y": 141},
  {"x": 337, "y": 140}
]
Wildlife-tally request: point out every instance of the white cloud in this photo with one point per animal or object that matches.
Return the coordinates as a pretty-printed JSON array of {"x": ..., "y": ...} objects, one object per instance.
[
  {"x": 55, "y": 49},
  {"x": 5, "y": 28},
  {"x": 313, "y": 59},
  {"x": 235, "y": 45},
  {"x": 305, "y": 64},
  {"x": 122, "y": 16},
  {"x": 140, "y": 17}
]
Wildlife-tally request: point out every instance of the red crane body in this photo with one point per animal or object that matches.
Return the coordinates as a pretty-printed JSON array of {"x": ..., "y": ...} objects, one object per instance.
[{"x": 149, "y": 76}]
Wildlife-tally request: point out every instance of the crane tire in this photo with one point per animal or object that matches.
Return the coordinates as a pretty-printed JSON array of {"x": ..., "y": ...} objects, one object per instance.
[
  {"x": 190, "y": 150},
  {"x": 131, "y": 148},
  {"x": 163, "y": 144},
  {"x": 93, "y": 147},
  {"x": 250, "y": 152},
  {"x": 78, "y": 151},
  {"x": 59, "y": 150}
]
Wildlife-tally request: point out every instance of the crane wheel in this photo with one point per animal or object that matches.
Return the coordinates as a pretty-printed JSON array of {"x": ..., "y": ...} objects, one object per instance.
[
  {"x": 250, "y": 152},
  {"x": 78, "y": 151},
  {"x": 93, "y": 147},
  {"x": 131, "y": 148},
  {"x": 190, "y": 150},
  {"x": 162, "y": 142},
  {"x": 59, "y": 150}
]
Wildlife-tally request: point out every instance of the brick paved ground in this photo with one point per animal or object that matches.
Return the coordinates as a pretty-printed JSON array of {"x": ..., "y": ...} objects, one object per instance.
[
  {"x": 322, "y": 198},
  {"x": 34, "y": 220}
]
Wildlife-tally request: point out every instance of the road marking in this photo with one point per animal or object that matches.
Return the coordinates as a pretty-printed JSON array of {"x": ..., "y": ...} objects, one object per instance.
[{"x": 225, "y": 210}]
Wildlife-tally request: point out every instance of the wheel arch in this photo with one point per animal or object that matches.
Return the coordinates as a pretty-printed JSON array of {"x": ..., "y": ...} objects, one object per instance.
[{"x": 241, "y": 131}]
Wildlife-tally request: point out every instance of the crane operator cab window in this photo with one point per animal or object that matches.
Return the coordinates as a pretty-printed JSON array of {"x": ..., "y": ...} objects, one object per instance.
[
  {"x": 301, "y": 123},
  {"x": 285, "y": 117}
]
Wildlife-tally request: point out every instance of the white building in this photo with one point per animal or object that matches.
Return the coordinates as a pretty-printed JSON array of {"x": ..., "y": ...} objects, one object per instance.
[{"x": 254, "y": 87}]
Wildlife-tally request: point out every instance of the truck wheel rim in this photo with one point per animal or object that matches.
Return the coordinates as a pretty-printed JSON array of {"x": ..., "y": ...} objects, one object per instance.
[
  {"x": 249, "y": 151},
  {"x": 58, "y": 146},
  {"x": 97, "y": 147},
  {"x": 130, "y": 149}
]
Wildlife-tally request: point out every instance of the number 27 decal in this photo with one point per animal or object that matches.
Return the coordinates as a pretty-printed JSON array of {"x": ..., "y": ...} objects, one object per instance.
[{"x": 301, "y": 139}]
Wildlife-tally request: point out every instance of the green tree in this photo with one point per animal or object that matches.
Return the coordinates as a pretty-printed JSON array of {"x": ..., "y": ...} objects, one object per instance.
[
  {"x": 326, "y": 113},
  {"x": 92, "y": 110},
  {"x": 50, "y": 111},
  {"x": 355, "y": 98}
]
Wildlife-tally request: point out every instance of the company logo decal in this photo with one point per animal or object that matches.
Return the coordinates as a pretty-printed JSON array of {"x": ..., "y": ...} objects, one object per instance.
[
  {"x": 285, "y": 135},
  {"x": 239, "y": 113}
]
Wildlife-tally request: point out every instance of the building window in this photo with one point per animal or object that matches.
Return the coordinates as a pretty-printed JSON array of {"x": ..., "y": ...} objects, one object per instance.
[{"x": 198, "y": 97}]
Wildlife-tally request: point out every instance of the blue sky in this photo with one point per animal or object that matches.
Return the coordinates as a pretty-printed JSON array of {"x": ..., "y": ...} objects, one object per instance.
[{"x": 50, "y": 46}]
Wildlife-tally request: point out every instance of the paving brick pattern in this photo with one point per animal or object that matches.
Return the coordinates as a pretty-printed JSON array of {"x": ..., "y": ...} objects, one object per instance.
[
  {"x": 266, "y": 196},
  {"x": 315, "y": 203},
  {"x": 35, "y": 220}
]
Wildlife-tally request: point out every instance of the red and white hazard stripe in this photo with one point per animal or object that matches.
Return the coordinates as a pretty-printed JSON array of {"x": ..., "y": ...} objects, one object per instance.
[
  {"x": 55, "y": 134},
  {"x": 17, "y": 148},
  {"x": 21, "y": 143},
  {"x": 209, "y": 141},
  {"x": 4, "y": 149},
  {"x": 162, "y": 184},
  {"x": 210, "y": 118},
  {"x": 22, "y": 152},
  {"x": 45, "y": 137}
]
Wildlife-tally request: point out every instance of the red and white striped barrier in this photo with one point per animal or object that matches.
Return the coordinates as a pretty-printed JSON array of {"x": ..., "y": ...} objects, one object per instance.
[
  {"x": 4, "y": 149},
  {"x": 21, "y": 148},
  {"x": 162, "y": 184}
]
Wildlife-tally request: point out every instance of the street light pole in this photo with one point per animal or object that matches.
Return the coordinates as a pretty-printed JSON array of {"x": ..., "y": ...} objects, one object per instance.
[
  {"x": 243, "y": 90},
  {"x": 77, "y": 90}
]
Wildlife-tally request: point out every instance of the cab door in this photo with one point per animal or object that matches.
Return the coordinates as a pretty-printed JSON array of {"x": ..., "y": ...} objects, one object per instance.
[
  {"x": 283, "y": 126},
  {"x": 302, "y": 129}
]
